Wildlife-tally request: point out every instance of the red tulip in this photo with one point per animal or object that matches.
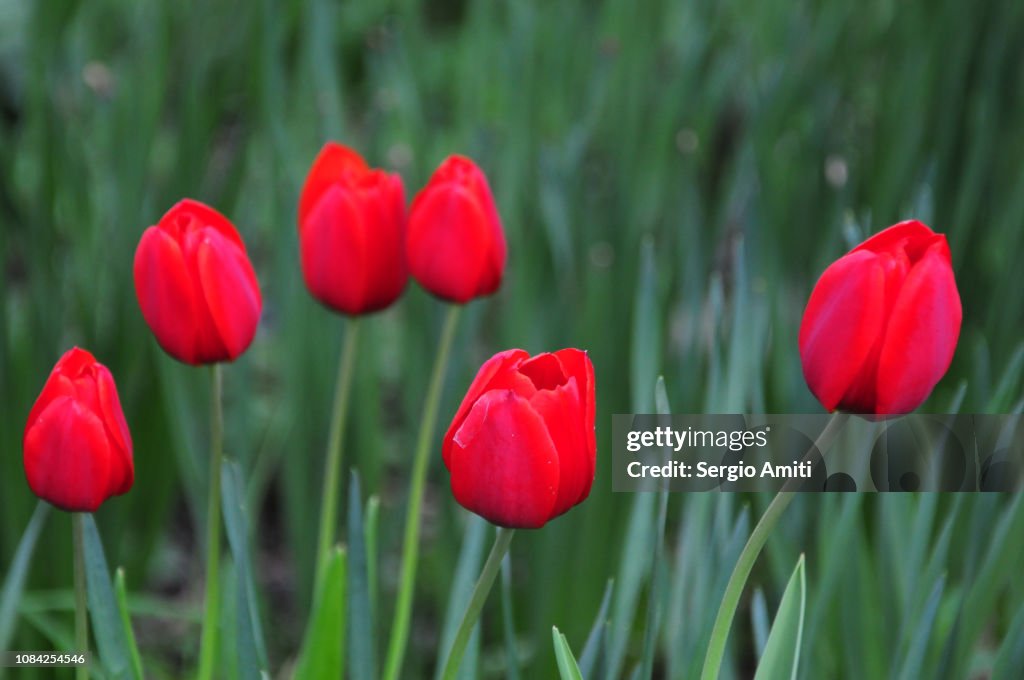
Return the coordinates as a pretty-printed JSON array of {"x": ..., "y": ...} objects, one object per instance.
[
  {"x": 196, "y": 286},
  {"x": 352, "y": 233},
  {"x": 456, "y": 246},
  {"x": 521, "y": 449},
  {"x": 882, "y": 323},
  {"x": 77, "y": 448}
]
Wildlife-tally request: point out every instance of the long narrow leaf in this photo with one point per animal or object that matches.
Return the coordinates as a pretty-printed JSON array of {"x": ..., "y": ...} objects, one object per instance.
[
  {"x": 598, "y": 634},
  {"x": 108, "y": 628},
  {"x": 14, "y": 582},
  {"x": 567, "y": 666},
  {"x": 361, "y": 643},
  {"x": 466, "y": 571},
  {"x": 781, "y": 658},
  {"x": 249, "y": 645},
  {"x": 323, "y": 651},
  {"x": 121, "y": 593}
]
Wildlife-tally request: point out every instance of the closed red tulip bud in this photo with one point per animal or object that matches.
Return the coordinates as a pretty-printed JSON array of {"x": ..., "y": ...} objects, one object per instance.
[
  {"x": 521, "y": 449},
  {"x": 77, "y": 448},
  {"x": 882, "y": 323},
  {"x": 196, "y": 286},
  {"x": 455, "y": 245},
  {"x": 352, "y": 233}
]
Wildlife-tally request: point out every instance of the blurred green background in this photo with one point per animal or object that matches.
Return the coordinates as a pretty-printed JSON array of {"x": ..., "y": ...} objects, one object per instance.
[{"x": 672, "y": 177}]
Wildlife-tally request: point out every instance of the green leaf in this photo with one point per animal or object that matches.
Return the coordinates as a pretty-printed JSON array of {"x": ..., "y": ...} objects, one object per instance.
[
  {"x": 14, "y": 583},
  {"x": 781, "y": 657},
  {"x": 598, "y": 634},
  {"x": 121, "y": 592},
  {"x": 1010, "y": 658},
  {"x": 466, "y": 571},
  {"x": 508, "y": 621},
  {"x": 567, "y": 667},
  {"x": 370, "y": 524},
  {"x": 645, "y": 354},
  {"x": 107, "y": 625},
  {"x": 249, "y": 645},
  {"x": 323, "y": 650},
  {"x": 361, "y": 643},
  {"x": 655, "y": 601},
  {"x": 915, "y": 657}
]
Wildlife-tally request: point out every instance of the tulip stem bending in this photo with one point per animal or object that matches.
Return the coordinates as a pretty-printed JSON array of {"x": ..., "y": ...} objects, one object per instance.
[
  {"x": 476, "y": 602},
  {"x": 81, "y": 601},
  {"x": 332, "y": 464},
  {"x": 410, "y": 544},
  {"x": 211, "y": 617},
  {"x": 745, "y": 563}
]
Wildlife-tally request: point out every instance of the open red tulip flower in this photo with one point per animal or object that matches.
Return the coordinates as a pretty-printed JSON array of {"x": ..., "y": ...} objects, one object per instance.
[
  {"x": 352, "y": 233},
  {"x": 521, "y": 449},
  {"x": 77, "y": 448},
  {"x": 882, "y": 323},
  {"x": 456, "y": 245},
  {"x": 196, "y": 286}
]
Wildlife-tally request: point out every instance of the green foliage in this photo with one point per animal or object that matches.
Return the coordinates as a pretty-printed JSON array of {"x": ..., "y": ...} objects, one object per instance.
[
  {"x": 110, "y": 626},
  {"x": 672, "y": 176},
  {"x": 323, "y": 651},
  {"x": 567, "y": 668},
  {"x": 781, "y": 657}
]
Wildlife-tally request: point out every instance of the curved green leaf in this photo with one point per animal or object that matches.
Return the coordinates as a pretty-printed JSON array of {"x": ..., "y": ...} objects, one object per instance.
[
  {"x": 323, "y": 651},
  {"x": 567, "y": 667},
  {"x": 249, "y": 645},
  {"x": 781, "y": 658},
  {"x": 14, "y": 583},
  {"x": 108, "y": 627}
]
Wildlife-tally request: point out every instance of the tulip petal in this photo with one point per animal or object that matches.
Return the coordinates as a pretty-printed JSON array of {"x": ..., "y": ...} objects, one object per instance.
[
  {"x": 166, "y": 294},
  {"x": 910, "y": 236},
  {"x": 841, "y": 325},
  {"x": 500, "y": 363},
  {"x": 449, "y": 242},
  {"x": 334, "y": 251},
  {"x": 67, "y": 457},
  {"x": 921, "y": 336},
  {"x": 578, "y": 365},
  {"x": 387, "y": 271},
  {"x": 190, "y": 215},
  {"x": 122, "y": 473},
  {"x": 562, "y": 411},
  {"x": 503, "y": 463},
  {"x": 544, "y": 370},
  {"x": 331, "y": 166},
  {"x": 231, "y": 292}
]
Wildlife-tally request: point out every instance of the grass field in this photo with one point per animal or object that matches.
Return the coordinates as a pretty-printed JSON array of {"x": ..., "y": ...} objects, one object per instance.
[{"x": 672, "y": 177}]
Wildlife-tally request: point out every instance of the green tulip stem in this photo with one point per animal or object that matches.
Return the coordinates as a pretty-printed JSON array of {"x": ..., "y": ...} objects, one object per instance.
[
  {"x": 211, "y": 615},
  {"x": 410, "y": 544},
  {"x": 476, "y": 602},
  {"x": 332, "y": 462},
  {"x": 81, "y": 598},
  {"x": 745, "y": 563}
]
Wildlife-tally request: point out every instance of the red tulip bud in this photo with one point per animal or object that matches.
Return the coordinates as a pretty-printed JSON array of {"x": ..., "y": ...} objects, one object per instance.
[
  {"x": 882, "y": 323},
  {"x": 352, "y": 233},
  {"x": 77, "y": 448},
  {"x": 196, "y": 286},
  {"x": 456, "y": 246},
  {"x": 521, "y": 449}
]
